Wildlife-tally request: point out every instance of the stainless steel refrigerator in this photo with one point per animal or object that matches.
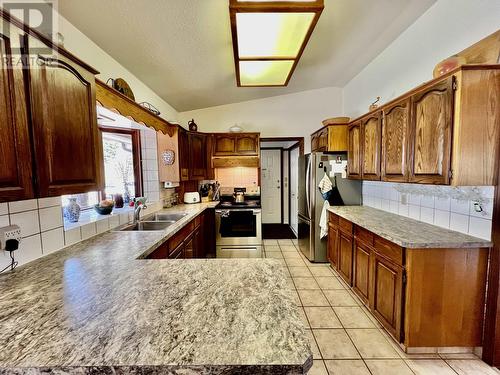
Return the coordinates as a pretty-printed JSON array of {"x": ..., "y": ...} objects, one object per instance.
[{"x": 311, "y": 171}]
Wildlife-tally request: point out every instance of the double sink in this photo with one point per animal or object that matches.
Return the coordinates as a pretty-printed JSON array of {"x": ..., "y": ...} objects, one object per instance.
[{"x": 159, "y": 221}]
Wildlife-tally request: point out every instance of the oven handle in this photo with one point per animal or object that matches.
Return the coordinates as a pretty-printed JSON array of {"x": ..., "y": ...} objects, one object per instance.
[{"x": 237, "y": 210}]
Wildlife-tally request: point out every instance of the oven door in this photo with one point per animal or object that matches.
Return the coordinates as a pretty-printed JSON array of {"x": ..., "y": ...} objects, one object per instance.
[{"x": 238, "y": 227}]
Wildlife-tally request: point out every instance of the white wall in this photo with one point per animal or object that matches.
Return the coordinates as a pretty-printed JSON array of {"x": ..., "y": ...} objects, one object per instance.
[
  {"x": 293, "y": 115},
  {"x": 448, "y": 27}
]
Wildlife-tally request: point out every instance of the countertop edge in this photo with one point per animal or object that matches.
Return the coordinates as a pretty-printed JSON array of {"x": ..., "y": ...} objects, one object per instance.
[{"x": 479, "y": 243}]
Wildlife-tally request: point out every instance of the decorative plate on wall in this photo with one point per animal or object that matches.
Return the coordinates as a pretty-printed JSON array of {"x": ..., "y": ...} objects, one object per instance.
[
  {"x": 122, "y": 86},
  {"x": 168, "y": 157}
]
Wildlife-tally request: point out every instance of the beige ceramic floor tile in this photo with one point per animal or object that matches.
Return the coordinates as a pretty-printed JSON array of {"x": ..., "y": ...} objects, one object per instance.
[
  {"x": 314, "y": 347},
  {"x": 335, "y": 344},
  {"x": 295, "y": 262},
  {"x": 388, "y": 367},
  {"x": 330, "y": 282},
  {"x": 300, "y": 272},
  {"x": 430, "y": 367},
  {"x": 285, "y": 242},
  {"x": 291, "y": 255},
  {"x": 311, "y": 264},
  {"x": 312, "y": 298},
  {"x": 353, "y": 317},
  {"x": 458, "y": 356},
  {"x": 372, "y": 344},
  {"x": 274, "y": 254},
  {"x": 288, "y": 248},
  {"x": 271, "y": 242},
  {"x": 322, "y": 317},
  {"x": 318, "y": 368},
  {"x": 340, "y": 297},
  {"x": 346, "y": 367},
  {"x": 289, "y": 283},
  {"x": 272, "y": 248},
  {"x": 322, "y": 271},
  {"x": 303, "y": 317},
  {"x": 295, "y": 241},
  {"x": 471, "y": 367},
  {"x": 305, "y": 283}
]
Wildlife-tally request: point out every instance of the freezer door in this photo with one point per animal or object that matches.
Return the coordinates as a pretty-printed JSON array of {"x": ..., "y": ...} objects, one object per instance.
[
  {"x": 305, "y": 238},
  {"x": 304, "y": 186}
]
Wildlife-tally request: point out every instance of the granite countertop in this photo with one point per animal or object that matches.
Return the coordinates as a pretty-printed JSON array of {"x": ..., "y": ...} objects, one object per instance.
[
  {"x": 404, "y": 231},
  {"x": 96, "y": 307}
]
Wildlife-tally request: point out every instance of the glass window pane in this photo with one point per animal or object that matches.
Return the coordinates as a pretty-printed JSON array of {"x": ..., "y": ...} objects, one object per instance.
[
  {"x": 118, "y": 165},
  {"x": 85, "y": 200}
]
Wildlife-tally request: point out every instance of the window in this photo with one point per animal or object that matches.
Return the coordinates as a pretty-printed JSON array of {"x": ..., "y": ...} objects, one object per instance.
[
  {"x": 121, "y": 163},
  {"x": 122, "y": 168}
]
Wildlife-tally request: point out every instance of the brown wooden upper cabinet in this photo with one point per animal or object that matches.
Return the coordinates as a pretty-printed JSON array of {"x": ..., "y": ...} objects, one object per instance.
[
  {"x": 183, "y": 154},
  {"x": 371, "y": 130},
  {"x": 331, "y": 138},
  {"x": 67, "y": 143},
  {"x": 395, "y": 141},
  {"x": 197, "y": 156},
  {"x": 16, "y": 173},
  {"x": 236, "y": 144},
  {"x": 443, "y": 132},
  {"x": 430, "y": 133},
  {"x": 354, "y": 151}
]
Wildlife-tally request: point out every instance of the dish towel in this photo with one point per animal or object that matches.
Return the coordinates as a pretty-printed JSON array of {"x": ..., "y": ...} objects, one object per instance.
[{"x": 325, "y": 187}]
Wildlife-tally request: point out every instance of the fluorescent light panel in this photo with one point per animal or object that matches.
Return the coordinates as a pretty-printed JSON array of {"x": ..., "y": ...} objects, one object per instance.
[
  {"x": 277, "y": 35},
  {"x": 265, "y": 73}
]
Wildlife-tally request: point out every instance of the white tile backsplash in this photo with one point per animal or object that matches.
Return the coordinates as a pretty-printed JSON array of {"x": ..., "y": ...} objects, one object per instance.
[
  {"x": 88, "y": 230},
  {"x": 28, "y": 222},
  {"x": 52, "y": 240},
  {"x": 20, "y": 206},
  {"x": 449, "y": 207},
  {"x": 50, "y": 218},
  {"x": 30, "y": 249},
  {"x": 49, "y": 202},
  {"x": 72, "y": 236}
]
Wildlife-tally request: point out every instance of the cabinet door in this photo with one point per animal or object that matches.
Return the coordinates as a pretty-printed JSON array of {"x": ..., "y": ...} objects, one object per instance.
[
  {"x": 430, "y": 133},
  {"x": 16, "y": 172},
  {"x": 371, "y": 131},
  {"x": 323, "y": 140},
  {"x": 395, "y": 127},
  {"x": 247, "y": 144},
  {"x": 387, "y": 293},
  {"x": 333, "y": 245},
  {"x": 210, "y": 174},
  {"x": 345, "y": 257},
  {"x": 197, "y": 156},
  {"x": 183, "y": 155},
  {"x": 68, "y": 146},
  {"x": 354, "y": 151},
  {"x": 189, "y": 247},
  {"x": 225, "y": 144},
  {"x": 361, "y": 272},
  {"x": 314, "y": 142}
]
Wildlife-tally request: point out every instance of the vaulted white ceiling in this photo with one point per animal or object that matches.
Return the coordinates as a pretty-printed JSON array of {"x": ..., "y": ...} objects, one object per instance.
[{"x": 182, "y": 49}]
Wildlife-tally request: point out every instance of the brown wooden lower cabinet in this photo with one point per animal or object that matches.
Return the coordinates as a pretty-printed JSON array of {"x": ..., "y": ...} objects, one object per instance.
[
  {"x": 345, "y": 256},
  {"x": 425, "y": 298},
  {"x": 192, "y": 241},
  {"x": 361, "y": 271}
]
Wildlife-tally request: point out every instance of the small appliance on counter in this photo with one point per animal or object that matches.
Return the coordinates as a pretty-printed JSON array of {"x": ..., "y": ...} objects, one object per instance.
[{"x": 192, "y": 197}]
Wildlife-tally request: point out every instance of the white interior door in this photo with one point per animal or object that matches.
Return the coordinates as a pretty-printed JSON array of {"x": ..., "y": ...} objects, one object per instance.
[
  {"x": 271, "y": 186},
  {"x": 294, "y": 189}
]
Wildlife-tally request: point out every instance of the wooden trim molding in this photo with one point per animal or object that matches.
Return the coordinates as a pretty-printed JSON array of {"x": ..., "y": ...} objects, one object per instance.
[
  {"x": 112, "y": 99},
  {"x": 300, "y": 142}
]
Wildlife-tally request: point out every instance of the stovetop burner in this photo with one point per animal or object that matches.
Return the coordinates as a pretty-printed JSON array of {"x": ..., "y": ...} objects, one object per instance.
[{"x": 230, "y": 204}]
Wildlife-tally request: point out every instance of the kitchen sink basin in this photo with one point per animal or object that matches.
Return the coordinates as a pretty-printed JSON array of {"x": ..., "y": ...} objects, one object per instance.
[
  {"x": 148, "y": 226},
  {"x": 170, "y": 218}
]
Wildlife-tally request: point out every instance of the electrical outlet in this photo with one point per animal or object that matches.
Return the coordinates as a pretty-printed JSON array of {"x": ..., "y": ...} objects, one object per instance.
[{"x": 12, "y": 232}]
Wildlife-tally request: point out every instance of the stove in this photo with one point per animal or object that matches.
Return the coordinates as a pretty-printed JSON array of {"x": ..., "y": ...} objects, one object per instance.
[{"x": 246, "y": 204}]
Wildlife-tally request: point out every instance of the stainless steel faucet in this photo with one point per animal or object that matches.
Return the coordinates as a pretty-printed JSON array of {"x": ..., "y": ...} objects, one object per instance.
[{"x": 137, "y": 213}]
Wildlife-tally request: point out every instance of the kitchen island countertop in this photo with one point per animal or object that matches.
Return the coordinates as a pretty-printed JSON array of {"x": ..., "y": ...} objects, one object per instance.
[{"x": 97, "y": 306}]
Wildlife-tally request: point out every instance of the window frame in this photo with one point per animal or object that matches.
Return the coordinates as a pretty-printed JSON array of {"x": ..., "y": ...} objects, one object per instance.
[{"x": 136, "y": 156}]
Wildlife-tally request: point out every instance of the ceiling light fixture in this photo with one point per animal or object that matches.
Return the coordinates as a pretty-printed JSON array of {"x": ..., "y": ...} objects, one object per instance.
[{"x": 269, "y": 37}]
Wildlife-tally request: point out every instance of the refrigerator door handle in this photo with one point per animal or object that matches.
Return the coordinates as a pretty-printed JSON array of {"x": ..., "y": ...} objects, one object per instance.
[{"x": 308, "y": 178}]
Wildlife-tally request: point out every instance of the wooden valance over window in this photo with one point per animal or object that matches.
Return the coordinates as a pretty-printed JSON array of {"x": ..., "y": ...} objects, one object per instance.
[{"x": 110, "y": 98}]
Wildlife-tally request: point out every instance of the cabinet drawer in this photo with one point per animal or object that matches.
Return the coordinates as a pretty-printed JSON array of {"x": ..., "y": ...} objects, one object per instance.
[
  {"x": 180, "y": 236},
  {"x": 197, "y": 221},
  {"x": 389, "y": 250},
  {"x": 363, "y": 235},
  {"x": 345, "y": 225},
  {"x": 333, "y": 219},
  {"x": 177, "y": 252}
]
